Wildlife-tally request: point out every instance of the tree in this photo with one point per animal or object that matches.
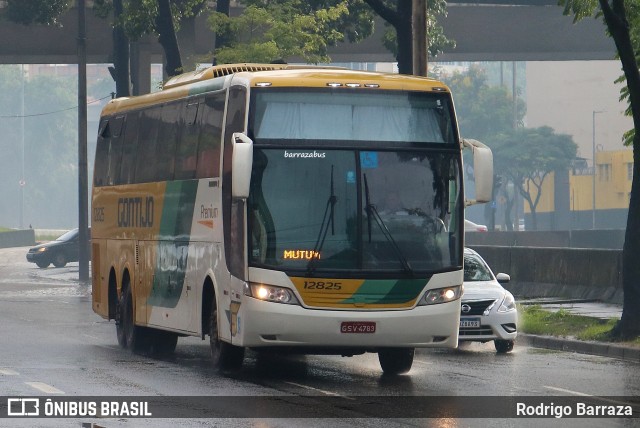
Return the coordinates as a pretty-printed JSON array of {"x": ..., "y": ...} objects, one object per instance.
[
  {"x": 484, "y": 112},
  {"x": 282, "y": 29},
  {"x": 623, "y": 24},
  {"x": 527, "y": 155},
  {"x": 27, "y": 12},
  {"x": 398, "y": 15},
  {"x": 159, "y": 17}
]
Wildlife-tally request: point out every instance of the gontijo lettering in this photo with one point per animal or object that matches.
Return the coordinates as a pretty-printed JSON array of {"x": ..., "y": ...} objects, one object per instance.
[{"x": 135, "y": 211}]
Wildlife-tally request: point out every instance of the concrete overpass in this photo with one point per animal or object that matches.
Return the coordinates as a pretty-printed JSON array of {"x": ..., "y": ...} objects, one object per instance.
[{"x": 484, "y": 30}]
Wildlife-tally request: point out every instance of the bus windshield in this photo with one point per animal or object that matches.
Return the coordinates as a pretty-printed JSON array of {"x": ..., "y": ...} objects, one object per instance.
[
  {"x": 353, "y": 116},
  {"x": 354, "y": 211}
]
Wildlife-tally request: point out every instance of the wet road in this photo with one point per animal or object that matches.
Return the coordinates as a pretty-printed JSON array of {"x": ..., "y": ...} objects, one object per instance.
[{"x": 54, "y": 345}]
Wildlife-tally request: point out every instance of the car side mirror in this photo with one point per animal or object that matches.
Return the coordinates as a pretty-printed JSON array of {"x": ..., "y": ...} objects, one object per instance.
[{"x": 503, "y": 278}]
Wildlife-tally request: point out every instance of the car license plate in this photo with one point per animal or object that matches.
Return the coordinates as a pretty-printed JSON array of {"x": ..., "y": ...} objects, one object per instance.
[
  {"x": 470, "y": 323},
  {"x": 358, "y": 327}
]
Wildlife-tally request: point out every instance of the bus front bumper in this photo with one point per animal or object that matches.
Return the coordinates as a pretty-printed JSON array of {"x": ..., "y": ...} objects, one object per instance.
[{"x": 266, "y": 324}]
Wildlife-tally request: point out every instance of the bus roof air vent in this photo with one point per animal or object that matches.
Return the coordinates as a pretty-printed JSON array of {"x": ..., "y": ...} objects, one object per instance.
[{"x": 227, "y": 69}]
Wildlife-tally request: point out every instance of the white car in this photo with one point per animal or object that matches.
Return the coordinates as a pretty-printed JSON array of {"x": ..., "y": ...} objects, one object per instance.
[
  {"x": 487, "y": 311},
  {"x": 470, "y": 226}
]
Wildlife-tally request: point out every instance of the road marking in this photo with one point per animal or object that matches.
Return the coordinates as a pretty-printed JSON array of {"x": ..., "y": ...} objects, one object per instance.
[
  {"x": 568, "y": 391},
  {"x": 8, "y": 372},
  {"x": 43, "y": 387},
  {"x": 422, "y": 362},
  {"x": 319, "y": 390}
]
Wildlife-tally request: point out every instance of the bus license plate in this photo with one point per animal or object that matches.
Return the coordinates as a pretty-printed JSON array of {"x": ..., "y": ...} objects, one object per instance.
[
  {"x": 358, "y": 327},
  {"x": 470, "y": 323}
]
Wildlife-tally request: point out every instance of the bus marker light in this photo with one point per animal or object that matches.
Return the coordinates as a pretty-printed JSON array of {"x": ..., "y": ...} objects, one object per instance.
[
  {"x": 263, "y": 84},
  {"x": 334, "y": 84}
]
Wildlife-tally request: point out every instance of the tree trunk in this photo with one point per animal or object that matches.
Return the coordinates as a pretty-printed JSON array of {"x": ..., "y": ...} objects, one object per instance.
[
  {"x": 121, "y": 65},
  {"x": 404, "y": 37},
  {"x": 618, "y": 26},
  {"x": 167, "y": 39}
]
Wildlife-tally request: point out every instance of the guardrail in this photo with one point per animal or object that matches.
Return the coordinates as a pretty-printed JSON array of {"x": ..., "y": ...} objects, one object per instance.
[
  {"x": 576, "y": 273},
  {"x": 17, "y": 238},
  {"x": 601, "y": 238}
]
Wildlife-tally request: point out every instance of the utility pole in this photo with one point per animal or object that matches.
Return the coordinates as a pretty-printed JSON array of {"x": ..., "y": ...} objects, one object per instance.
[
  {"x": 419, "y": 36},
  {"x": 83, "y": 235}
]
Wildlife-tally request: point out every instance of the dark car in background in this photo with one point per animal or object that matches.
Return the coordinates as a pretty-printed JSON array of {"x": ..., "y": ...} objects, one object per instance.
[{"x": 59, "y": 252}]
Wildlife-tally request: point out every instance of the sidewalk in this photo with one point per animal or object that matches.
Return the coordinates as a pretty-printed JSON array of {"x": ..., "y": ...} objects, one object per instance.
[{"x": 586, "y": 308}]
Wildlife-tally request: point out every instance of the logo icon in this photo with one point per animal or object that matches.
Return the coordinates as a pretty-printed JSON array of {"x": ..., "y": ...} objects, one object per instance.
[
  {"x": 465, "y": 308},
  {"x": 23, "y": 407}
]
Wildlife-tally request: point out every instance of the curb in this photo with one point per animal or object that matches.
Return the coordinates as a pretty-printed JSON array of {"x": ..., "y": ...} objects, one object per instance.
[{"x": 623, "y": 352}]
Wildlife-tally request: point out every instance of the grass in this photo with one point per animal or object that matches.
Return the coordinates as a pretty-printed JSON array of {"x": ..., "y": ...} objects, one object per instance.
[{"x": 535, "y": 320}]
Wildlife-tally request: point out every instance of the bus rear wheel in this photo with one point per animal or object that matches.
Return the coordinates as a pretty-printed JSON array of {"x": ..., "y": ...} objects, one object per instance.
[
  {"x": 396, "y": 361},
  {"x": 224, "y": 356},
  {"x": 130, "y": 336}
]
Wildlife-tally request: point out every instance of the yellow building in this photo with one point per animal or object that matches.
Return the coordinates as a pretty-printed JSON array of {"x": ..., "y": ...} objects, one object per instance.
[{"x": 614, "y": 171}]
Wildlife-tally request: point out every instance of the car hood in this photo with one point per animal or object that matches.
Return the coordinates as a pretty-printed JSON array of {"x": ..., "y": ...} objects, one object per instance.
[
  {"x": 46, "y": 245},
  {"x": 475, "y": 290}
]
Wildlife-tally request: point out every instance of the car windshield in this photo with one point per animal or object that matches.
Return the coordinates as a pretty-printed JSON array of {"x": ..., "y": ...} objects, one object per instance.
[
  {"x": 475, "y": 269},
  {"x": 72, "y": 234}
]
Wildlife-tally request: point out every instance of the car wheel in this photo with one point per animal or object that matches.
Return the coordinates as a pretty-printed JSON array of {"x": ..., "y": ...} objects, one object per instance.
[
  {"x": 59, "y": 260},
  {"x": 396, "y": 360},
  {"x": 503, "y": 346},
  {"x": 130, "y": 335},
  {"x": 223, "y": 355},
  {"x": 42, "y": 265}
]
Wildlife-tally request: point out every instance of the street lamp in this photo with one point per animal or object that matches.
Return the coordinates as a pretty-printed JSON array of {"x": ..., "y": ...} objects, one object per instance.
[{"x": 593, "y": 178}]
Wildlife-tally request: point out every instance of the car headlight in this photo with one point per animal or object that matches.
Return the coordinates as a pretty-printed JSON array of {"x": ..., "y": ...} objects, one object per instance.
[
  {"x": 271, "y": 293},
  {"x": 441, "y": 295},
  {"x": 42, "y": 250},
  {"x": 508, "y": 303}
]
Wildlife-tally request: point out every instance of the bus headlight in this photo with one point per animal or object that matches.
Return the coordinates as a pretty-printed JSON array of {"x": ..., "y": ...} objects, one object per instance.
[
  {"x": 441, "y": 295},
  {"x": 271, "y": 293}
]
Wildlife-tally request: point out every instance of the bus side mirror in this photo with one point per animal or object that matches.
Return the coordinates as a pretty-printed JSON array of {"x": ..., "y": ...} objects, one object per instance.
[
  {"x": 241, "y": 164},
  {"x": 482, "y": 171}
]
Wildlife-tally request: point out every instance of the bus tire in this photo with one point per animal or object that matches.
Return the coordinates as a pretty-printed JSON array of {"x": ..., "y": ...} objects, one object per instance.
[
  {"x": 130, "y": 336},
  {"x": 396, "y": 361},
  {"x": 224, "y": 356}
]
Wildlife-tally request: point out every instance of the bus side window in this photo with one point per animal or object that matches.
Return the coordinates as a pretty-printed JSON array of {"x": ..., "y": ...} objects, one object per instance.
[
  {"x": 168, "y": 135},
  {"x": 147, "y": 142},
  {"x": 116, "y": 126},
  {"x": 187, "y": 149},
  {"x": 102, "y": 151},
  {"x": 209, "y": 142},
  {"x": 129, "y": 146}
]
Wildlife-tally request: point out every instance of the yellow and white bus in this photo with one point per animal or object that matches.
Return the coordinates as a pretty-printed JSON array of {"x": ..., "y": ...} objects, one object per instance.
[{"x": 309, "y": 209}]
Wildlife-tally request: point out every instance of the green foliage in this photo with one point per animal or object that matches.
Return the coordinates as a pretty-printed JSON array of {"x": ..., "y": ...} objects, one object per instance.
[
  {"x": 536, "y": 320},
  {"x": 267, "y": 31},
  {"x": 139, "y": 16},
  {"x": 483, "y": 110},
  {"x": 581, "y": 9},
  {"x": 29, "y": 12}
]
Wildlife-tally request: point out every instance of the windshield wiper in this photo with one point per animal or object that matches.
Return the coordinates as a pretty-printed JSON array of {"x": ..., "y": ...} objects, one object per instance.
[
  {"x": 373, "y": 212},
  {"x": 327, "y": 219}
]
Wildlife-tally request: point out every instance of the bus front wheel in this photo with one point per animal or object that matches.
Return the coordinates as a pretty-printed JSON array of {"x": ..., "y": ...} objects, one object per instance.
[
  {"x": 223, "y": 355},
  {"x": 396, "y": 360}
]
